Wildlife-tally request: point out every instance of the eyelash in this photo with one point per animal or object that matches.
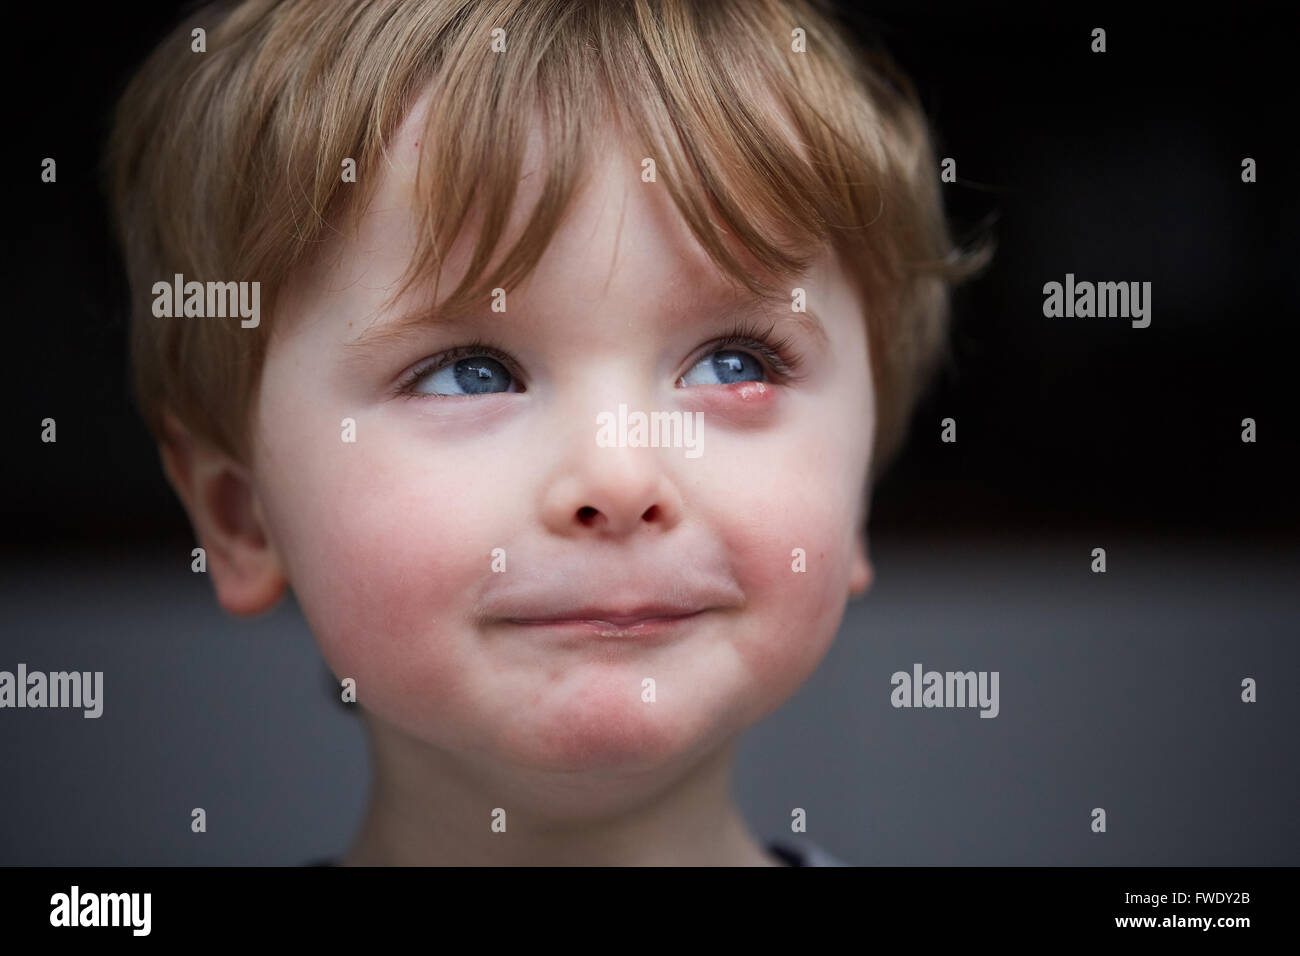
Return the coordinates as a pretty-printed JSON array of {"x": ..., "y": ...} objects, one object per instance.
[
  {"x": 476, "y": 346},
  {"x": 780, "y": 355}
]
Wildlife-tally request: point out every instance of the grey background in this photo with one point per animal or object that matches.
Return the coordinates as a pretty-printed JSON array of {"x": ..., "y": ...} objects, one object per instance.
[{"x": 1119, "y": 690}]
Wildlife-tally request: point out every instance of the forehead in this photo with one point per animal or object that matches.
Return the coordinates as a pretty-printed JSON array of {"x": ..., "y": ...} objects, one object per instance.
[
  {"x": 621, "y": 237},
  {"x": 615, "y": 220}
]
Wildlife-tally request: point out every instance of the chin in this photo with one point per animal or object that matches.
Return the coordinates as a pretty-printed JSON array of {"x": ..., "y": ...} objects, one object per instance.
[{"x": 607, "y": 727}]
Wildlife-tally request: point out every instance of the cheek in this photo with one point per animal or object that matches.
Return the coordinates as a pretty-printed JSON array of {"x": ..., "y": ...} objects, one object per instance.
[
  {"x": 795, "y": 513},
  {"x": 383, "y": 543}
]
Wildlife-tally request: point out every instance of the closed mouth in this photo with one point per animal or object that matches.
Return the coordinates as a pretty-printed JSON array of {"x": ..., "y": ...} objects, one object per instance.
[
  {"x": 611, "y": 625},
  {"x": 607, "y": 620}
]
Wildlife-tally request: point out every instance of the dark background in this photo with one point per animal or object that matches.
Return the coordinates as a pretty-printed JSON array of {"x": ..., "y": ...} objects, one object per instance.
[{"x": 1118, "y": 690}]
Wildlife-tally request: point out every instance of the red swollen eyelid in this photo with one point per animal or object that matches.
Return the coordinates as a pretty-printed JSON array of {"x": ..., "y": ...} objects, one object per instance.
[{"x": 750, "y": 391}]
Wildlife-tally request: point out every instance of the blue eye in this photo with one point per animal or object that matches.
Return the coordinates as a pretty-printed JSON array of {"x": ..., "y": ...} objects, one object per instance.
[
  {"x": 480, "y": 368},
  {"x": 725, "y": 366},
  {"x": 476, "y": 375}
]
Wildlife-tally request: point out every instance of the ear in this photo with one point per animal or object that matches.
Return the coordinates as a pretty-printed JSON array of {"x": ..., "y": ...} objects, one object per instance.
[
  {"x": 861, "y": 573},
  {"x": 221, "y": 501}
]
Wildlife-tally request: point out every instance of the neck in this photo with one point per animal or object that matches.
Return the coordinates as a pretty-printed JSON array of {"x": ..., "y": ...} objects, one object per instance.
[{"x": 430, "y": 807}]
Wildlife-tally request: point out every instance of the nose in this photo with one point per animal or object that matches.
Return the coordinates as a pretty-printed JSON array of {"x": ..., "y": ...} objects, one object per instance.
[{"x": 611, "y": 492}]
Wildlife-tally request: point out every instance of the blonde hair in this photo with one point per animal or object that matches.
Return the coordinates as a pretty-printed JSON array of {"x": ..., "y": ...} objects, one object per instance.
[{"x": 226, "y": 164}]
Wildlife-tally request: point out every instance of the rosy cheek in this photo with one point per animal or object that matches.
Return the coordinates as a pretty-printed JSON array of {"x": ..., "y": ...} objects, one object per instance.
[
  {"x": 379, "y": 560},
  {"x": 386, "y": 610}
]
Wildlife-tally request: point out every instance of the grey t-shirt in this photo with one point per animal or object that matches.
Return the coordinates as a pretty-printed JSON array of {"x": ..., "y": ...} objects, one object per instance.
[{"x": 803, "y": 853}]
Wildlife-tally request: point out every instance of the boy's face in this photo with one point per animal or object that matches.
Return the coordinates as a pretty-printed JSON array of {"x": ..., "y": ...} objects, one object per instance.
[{"x": 390, "y": 541}]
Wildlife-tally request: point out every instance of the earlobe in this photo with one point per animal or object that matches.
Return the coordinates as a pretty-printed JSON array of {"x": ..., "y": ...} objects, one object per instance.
[{"x": 221, "y": 500}]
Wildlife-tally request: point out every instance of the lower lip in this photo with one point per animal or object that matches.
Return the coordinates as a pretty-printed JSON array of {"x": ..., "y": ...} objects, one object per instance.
[{"x": 644, "y": 629}]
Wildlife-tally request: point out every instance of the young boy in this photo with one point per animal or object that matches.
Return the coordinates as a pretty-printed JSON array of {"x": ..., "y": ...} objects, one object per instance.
[{"x": 548, "y": 351}]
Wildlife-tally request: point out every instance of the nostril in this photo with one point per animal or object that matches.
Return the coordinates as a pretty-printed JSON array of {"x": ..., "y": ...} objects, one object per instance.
[
  {"x": 587, "y": 514},
  {"x": 651, "y": 514}
]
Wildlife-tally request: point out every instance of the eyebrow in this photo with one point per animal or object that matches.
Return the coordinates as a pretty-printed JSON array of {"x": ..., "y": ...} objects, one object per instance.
[
  {"x": 382, "y": 334},
  {"x": 394, "y": 331}
]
